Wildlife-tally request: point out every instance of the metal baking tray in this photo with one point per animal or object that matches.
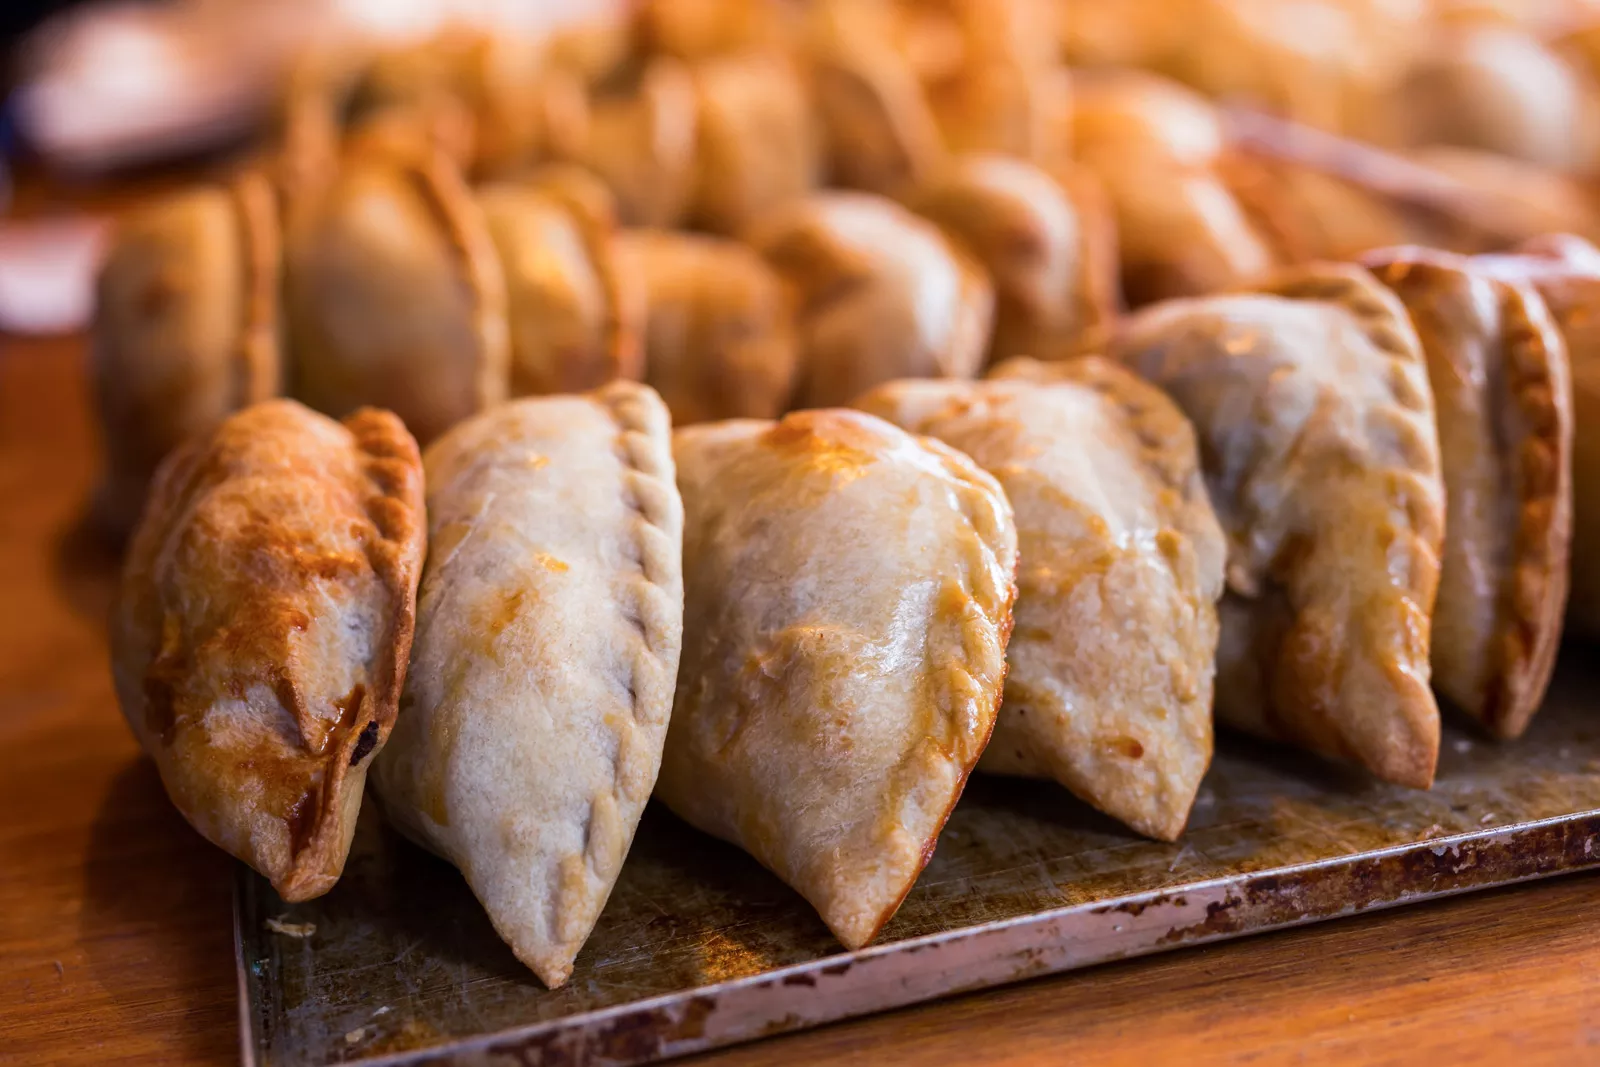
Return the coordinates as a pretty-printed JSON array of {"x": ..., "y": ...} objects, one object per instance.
[{"x": 700, "y": 947}]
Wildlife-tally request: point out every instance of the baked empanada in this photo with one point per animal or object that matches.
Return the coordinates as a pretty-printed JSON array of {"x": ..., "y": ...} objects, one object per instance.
[
  {"x": 1566, "y": 272},
  {"x": 1048, "y": 244},
  {"x": 1119, "y": 570},
  {"x": 185, "y": 330},
  {"x": 1311, "y": 403},
  {"x": 756, "y": 148},
  {"x": 719, "y": 331},
  {"x": 574, "y": 314},
  {"x": 394, "y": 296},
  {"x": 882, "y": 294},
  {"x": 1156, "y": 148},
  {"x": 848, "y": 593},
  {"x": 643, "y": 144},
  {"x": 261, "y": 631},
  {"x": 1502, "y": 397},
  {"x": 549, "y": 627}
]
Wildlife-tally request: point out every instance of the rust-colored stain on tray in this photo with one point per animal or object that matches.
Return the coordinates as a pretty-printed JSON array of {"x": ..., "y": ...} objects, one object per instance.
[{"x": 700, "y": 947}]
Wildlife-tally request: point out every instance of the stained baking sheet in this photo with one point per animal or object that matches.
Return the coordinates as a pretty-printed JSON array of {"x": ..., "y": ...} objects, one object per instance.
[{"x": 700, "y": 947}]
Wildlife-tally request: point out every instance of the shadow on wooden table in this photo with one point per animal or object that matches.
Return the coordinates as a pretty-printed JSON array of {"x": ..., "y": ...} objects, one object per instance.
[{"x": 147, "y": 870}]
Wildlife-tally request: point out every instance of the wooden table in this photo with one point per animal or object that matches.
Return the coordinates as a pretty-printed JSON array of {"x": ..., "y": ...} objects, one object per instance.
[{"x": 115, "y": 936}]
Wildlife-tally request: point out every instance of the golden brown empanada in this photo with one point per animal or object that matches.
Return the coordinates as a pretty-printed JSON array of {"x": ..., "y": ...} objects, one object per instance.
[
  {"x": 1503, "y": 400},
  {"x": 848, "y": 594},
  {"x": 756, "y": 147},
  {"x": 574, "y": 313},
  {"x": 643, "y": 144},
  {"x": 882, "y": 294},
  {"x": 185, "y": 330},
  {"x": 1049, "y": 246},
  {"x": 394, "y": 296},
  {"x": 1156, "y": 148},
  {"x": 260, "y": 636},
  {"x": 1119, "y": 570},
  {"x": 719, "y": 332},
  {"x": 1311, "y": 402},
  {"x": 1566, "y": 272},
  {"x": 549, "y": 627},
  {"x": 702, "y": 29}
]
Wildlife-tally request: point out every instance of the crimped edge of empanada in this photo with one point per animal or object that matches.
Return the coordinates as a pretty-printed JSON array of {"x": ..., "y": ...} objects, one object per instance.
[
  {"x": 1532, "y": 599},
  {"x": 445, "y": 191},
  {"x": 258, "y": 371}
]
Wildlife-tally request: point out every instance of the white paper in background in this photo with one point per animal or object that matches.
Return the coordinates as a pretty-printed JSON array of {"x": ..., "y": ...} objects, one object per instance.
[
  {"x": 47, "y": 270},
  {"x": 114, "y": 84}
]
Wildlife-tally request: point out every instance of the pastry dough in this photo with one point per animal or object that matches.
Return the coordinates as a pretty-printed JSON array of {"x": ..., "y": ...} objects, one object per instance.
[
  {"x": 1156, "y": 148},
  {"x": 548, "y": 634},
  {"x": 1566, "y": 272},
  {"x": 1049, "y": 245},
  {"x": 1502, "y": 396},
  {"x": 1119, "y": 571},
  {"x": 1311, "y": 402},
  {"x": 574, "y": 312},
  {"x": 882, "y": 294},
  {"x": 394, "y": 296},
  {"x": 719, "y": 335},
  {"x": 185, "y": 330},
  {"x": 848, "y": 599},
  {"x": 643, "y": 144},
  {"x": 260, "y": 636}
]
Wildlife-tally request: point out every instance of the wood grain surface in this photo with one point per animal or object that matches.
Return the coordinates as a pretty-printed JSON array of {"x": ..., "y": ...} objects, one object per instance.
[{"x": 115, "y": 942}]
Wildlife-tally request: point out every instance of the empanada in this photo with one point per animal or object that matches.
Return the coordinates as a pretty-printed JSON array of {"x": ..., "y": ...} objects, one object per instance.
[
  {"x": 882, "y": 294},
  {"x": 756, "y": 148},
  {"x": 549, "y": 627},
  {"x": 643, "y": 144},
  {"x": 1566, "y": 272},
  {"x": 185, "y": 330},
  {"x": 1048, "y": 244},
  {"x": 260, "y": 636},
  {"x": 394, "y": 296},
  {"x": 1119, "y": 571},
  {"x": 574, "y": 313},
  {"x": 1503, "y": 400},
  {"x": 719, "y": 330},
  {"x": 1311, "y": 403},
  {"x": 1156, "y": 148},
  {"x": 848, "y": 593}
]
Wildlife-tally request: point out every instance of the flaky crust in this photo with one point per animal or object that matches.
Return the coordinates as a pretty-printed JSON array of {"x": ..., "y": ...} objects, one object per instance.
[
  {"x": 1310, "y": 398},
  {"x": 573, "y": 312},
  {"x": 1503, "y": 401},
  {"x": 848, "y": 601},
  {"x": 550, "y": 624},
  {"x": 882, "y": 294},
  {"x": 395, "y": 297},
  {"x": 1566, "y": 272},
  {"x": 262, "y": 627},
  {"x": 1119, "y": 572},
  {"x": 185, "y": 330},
  {"x": 719, "y": 333},
  {"x": 1050, "y": 251}
]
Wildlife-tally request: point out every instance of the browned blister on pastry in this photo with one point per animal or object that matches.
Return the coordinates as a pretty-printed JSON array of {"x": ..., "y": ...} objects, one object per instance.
[
  {"x": 394, "y": 296},
  {"x": 881, "y": 294},
  {"x": 1502, "y": 397},
  {"x": 719, "y": 326},
  {"x": 847, "y": 601},
  {"x": 1566, "y": 272},
  {"x": 1311, "y": 402},
  {"x": 1120, "y": 564},
  {"x": 262, "y": 628},
  {"x": 185, "y": 330},
  {"x": 573, "y": 311},
  {"x": 1048, "y": 244},
  {"x": 548, "y": 631}
]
